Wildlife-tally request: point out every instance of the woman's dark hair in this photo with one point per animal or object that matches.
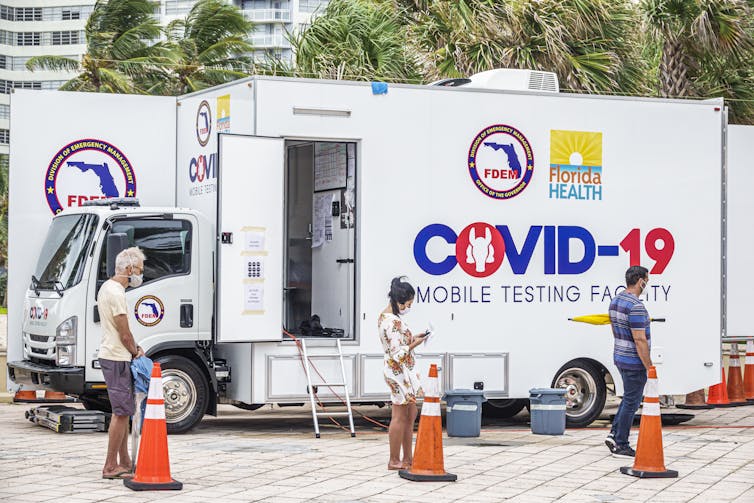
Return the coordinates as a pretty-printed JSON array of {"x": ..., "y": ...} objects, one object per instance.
[{"x": 400, "y": 293}]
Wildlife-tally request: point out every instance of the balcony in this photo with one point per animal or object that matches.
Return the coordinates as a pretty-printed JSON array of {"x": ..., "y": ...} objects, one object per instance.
[
  {"x": 268, "y": 15},
  {"x": 265, "y": 41}
]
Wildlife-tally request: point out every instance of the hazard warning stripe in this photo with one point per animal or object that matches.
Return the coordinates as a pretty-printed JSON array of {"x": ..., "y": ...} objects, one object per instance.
[
  {"x": 155, "y": 388},
  {"x": 430, "y": 409},
  {"x": 650, "y": 409},
  {"x": 154, "y": 411}
]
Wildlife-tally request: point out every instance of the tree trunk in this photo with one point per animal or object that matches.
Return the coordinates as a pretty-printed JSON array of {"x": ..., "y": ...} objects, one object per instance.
[{"x": 674, "y": 79}]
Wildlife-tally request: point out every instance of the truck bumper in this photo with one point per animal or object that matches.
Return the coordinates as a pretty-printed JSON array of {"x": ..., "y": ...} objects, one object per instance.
[{"x": 69, "y": 380}]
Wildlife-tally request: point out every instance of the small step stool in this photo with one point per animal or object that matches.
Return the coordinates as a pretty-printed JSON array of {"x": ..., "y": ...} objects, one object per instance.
[
  {"x": 64, "y": 419},
  {"x": 311, "y": 389}
]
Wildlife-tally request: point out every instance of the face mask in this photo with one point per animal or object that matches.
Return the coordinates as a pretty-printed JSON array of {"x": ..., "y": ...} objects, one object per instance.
[
  {"x": 644, "y": 288},
  {"x": 135, "y": 280},
  {"x": 404, "y": 311}
]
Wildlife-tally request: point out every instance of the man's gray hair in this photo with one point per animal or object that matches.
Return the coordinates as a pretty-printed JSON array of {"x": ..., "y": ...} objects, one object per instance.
[{"x": 128, "y": 257}]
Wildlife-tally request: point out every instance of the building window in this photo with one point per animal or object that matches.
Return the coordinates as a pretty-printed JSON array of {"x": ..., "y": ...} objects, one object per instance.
[
  {"x": 4, "y": 136},
  {"x": 27, "y": 38},
  {"x": 65, "y": 37},
  {"x": 4, "y": 111},
  {"x": 69, "y": 14}
]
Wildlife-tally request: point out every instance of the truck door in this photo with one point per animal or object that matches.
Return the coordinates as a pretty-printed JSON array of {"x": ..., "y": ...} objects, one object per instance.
[
  {"x": 250, "y": 215},
  {"x": 159, "y": 308}
]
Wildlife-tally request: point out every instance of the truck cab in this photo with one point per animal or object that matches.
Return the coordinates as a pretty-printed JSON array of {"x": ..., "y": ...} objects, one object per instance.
[{"x": 170, "y": 313}]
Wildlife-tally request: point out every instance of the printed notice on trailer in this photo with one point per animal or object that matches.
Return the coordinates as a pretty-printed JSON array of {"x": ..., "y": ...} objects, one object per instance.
[
  {"x": 253, "y": 299},
  {"x": 254, "y": 238},
  {"x": 253, "y": 268}
]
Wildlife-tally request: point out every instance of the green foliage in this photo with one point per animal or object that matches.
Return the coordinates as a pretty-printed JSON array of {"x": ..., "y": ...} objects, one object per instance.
[{"x": 355, "y": 40}]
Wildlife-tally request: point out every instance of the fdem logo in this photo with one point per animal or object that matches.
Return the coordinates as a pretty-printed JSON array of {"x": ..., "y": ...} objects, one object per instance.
[
  {"x": 203, "y": 123},
  {"x": 87, "y": 169},
  {"x": 149, "y": 310},
  {"x": 501, "y": 161},
  {"x": 575, "y": 165}
]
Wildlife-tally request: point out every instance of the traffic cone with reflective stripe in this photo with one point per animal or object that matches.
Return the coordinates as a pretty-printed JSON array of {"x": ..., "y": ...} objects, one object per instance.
[
  {"x": 650, "y": 460},
  {"x": 735, "y": 379},
  {"x": 718, "y": 393},
  {"x": 152, "y": 464},
  {"x": 749, "y": 371},
  {"x": 428, "y": 464}
]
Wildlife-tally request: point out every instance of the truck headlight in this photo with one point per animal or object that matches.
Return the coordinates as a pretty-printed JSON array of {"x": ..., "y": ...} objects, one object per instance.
[{"x": 65, "y": 340}]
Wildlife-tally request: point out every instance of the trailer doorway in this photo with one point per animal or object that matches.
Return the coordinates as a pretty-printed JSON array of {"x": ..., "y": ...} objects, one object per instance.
[{"x": 320, "y": 239}]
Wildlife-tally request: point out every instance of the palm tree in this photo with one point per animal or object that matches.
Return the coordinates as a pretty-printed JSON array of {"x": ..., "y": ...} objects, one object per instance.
[
  {"x": 689, "y": 31},
  {"x": 590, "y": 44},
  {"x": 705, "y": 49},
  {"x": 357, "y": 40},
  {"x": 210, "y": 46},
  {"x": 121, "y": 49}
]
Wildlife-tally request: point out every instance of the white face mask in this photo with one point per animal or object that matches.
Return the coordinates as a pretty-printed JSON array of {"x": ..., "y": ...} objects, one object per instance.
[
  {"x": 135, "y": 280},
  {"x": 643, "y": 288},
  {"x": 404, "y": 311}
]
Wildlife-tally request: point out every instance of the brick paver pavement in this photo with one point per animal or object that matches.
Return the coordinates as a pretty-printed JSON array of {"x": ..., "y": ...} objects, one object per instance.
[{"x": 272, "y": 455}]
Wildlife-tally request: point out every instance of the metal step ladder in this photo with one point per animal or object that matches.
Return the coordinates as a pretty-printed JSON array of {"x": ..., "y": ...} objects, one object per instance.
[{"x": 311, "y": 388}]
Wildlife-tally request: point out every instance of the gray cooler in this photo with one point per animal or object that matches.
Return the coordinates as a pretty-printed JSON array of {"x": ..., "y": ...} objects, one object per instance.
[
  {"x": 548, "y": 411},
  {"x": 464, "y": 412}
]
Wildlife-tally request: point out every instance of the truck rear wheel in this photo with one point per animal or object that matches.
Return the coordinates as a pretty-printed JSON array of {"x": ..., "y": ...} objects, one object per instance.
[
  {"x": 502, "y": 409},
  {"x": 186, "y": 392},
  {"x": 586, "y": 391}
]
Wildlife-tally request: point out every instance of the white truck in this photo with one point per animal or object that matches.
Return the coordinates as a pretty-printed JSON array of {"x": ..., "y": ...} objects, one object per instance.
[{"x": 273, "y": 206}]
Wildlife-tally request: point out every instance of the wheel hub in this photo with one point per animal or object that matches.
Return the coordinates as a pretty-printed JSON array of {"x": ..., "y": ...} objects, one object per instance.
[{"x": 180, "y": 394}]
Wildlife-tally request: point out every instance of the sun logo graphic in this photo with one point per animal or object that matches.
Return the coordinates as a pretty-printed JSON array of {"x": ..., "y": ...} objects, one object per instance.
[{"x": 576, "y": 165}]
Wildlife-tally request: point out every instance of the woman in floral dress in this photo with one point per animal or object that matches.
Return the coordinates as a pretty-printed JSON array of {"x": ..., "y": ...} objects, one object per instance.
[{"x": 405, "y": 386}]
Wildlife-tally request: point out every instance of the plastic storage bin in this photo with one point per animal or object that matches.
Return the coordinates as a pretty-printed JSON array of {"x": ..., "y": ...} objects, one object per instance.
[
  {"x": 464, "y": 412},
  {"x": 548, "y": 411}
]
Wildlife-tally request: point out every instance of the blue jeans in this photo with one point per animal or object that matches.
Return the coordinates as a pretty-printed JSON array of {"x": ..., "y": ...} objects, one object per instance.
[{"x": 633, "y": 389}]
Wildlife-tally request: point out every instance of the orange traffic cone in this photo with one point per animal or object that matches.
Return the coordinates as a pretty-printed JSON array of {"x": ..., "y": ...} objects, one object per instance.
[
  {"x": 735, "y": 379},
  {"x": 650, "y": 460},
  {"x": 695, "y": 401},
  {"x": 55, "y": 396},
  {"x": 718, "y": 394},
  {"x": 749, "y": 371},
  {"x": 25, "y": 395},
  {"x": 153, "y": 465},
  {"x": 428, "y": 464}
]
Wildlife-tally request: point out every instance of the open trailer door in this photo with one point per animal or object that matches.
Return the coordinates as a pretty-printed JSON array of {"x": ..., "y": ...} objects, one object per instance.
[{"x": 250, "y": 214}]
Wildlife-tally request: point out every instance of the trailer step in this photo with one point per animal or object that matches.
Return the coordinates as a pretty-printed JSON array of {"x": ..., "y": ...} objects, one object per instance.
[{"x": 312, "y": 388}]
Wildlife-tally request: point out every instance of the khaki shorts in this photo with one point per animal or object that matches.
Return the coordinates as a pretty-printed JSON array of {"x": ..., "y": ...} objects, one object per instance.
[{"x": 120, "y": 388}]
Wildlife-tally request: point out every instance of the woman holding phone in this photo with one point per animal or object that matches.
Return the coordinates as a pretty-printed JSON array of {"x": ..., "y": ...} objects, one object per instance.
[{"x": 405, "y": 387}]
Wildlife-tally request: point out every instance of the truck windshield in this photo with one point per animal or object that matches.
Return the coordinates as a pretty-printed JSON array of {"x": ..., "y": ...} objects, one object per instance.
[{"x": 64, "y": 252}]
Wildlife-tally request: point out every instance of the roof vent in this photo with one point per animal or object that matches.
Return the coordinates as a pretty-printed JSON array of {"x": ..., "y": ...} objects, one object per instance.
[{"x": 510, "y": 79}]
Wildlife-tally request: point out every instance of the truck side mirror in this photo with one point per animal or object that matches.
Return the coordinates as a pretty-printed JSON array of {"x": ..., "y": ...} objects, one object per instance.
[{"x": 116, "y": 243}]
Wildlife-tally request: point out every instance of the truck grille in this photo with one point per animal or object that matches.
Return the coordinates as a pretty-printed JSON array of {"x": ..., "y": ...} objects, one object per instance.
[{"x": 40, "y": 348}]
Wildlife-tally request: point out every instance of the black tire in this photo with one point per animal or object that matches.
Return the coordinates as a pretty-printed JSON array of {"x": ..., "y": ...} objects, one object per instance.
[
  {"x": 586, "y": 393},
  {"x": 98, "y": 402},
  {"x": 186, "y": 392},
  {"x": 503, "y": 409}
]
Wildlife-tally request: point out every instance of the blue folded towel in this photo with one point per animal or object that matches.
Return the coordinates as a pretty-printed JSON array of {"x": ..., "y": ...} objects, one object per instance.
[{"x": 141, "y": 368}]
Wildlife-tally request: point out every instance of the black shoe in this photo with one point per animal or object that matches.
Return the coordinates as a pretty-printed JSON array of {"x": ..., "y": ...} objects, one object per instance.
[
  {"x": 610, "y": 442},
  {"x": 623, "y": 452}
]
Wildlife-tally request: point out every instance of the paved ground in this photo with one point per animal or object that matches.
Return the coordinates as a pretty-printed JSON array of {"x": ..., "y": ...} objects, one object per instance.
[{"x": 271, "y": 455}]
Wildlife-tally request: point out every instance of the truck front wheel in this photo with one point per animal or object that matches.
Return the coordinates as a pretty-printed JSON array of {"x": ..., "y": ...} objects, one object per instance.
[
  {"x": 186, "y": 392},
  {"x": 586, "y": 391}
]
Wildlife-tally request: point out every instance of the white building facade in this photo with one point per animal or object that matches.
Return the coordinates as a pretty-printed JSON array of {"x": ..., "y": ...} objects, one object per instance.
[{"x": 56, "y": 27}]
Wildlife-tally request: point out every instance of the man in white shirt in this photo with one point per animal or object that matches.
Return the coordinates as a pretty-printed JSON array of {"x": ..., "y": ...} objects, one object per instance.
[{"x": 116, "y": 351}]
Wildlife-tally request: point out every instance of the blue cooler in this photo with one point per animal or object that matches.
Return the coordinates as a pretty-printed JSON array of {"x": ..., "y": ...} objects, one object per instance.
[
  {"x": 464, "y": 412},
  {"x": 548, "y": 411}
]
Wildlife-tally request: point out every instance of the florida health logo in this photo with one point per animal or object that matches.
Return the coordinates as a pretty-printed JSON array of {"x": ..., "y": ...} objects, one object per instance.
[
  {"x": 501, "y": 161},
  {"x": 87, "y": 169},
  {"x": 576, "y": 165},
  {"x": 149, "y": 310}
]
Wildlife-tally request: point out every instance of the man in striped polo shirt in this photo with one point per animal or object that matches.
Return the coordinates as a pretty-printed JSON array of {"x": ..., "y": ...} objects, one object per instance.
[{"x": 630, "y": 321}]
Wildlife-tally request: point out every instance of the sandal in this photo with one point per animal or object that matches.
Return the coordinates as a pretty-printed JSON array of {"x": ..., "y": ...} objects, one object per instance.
[
  {"x": 125, "y": 474},
  {"x": 395, "y": 467}
]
